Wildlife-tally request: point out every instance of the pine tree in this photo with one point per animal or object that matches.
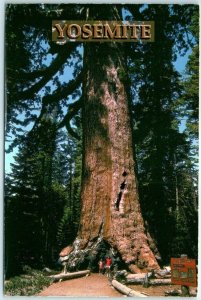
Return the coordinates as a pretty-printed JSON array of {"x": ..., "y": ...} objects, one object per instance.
[
  {"x": 67, "y": 172},
  {"x": 31, "y": 201},
  {"x": 160, "y": 148}
]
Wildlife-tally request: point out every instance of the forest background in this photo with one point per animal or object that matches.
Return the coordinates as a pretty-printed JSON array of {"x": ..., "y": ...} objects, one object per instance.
[{"x": 42, "y": 191}]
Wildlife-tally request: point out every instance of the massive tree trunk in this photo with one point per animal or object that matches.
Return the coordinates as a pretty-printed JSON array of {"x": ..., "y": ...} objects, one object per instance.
[
  {"x": 111, "y": 216},
  {"x": 110, "y": 204}
]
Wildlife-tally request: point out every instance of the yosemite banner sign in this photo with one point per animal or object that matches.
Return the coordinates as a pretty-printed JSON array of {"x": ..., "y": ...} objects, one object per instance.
[{"x": 93, "y": 31}]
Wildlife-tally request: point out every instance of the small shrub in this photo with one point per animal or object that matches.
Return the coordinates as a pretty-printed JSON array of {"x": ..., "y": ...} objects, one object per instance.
[{"x": 28, "y": 285}]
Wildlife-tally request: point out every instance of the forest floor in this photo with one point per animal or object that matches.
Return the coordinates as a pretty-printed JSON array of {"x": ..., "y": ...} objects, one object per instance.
[
  {"x": 97, "y": 285},
  {"x": 94, "y": 285}
]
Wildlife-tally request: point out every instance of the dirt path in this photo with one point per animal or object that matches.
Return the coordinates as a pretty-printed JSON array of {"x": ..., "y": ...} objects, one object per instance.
[{"x": 94, "y": 285}]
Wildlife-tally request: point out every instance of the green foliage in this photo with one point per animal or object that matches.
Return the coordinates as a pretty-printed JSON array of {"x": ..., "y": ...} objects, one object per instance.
[
  {"x": 68, "y": 165},
  {"x": 187, "y": 105},
  {"x": 43, "y": 186},
  {"x": 65, "y": 228},
  {"x": 162, "y": 151},
  {"x": 123, "y": 75},
  {"x": 31, "y": 200},
  {"x": 190, "y": 97},
  {"x": 26, "y": 285}
]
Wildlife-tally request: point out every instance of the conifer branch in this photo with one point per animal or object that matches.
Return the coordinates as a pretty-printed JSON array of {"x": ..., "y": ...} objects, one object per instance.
[
  {"x": 64, "y": 91},
  {"x": 72, "y": 111},
  {"x": 46, "y": 74}
]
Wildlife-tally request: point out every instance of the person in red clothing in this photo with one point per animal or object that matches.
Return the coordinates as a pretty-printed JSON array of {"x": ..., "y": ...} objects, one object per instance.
[{"x": 108, "y": 263}]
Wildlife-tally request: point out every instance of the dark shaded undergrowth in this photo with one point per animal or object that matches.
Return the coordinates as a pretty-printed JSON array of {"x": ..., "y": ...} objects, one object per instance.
[{"x": 27, "y": 284}]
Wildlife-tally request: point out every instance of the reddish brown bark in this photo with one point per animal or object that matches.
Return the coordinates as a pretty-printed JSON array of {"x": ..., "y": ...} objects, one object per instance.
[{"x": 110, "y": 203}]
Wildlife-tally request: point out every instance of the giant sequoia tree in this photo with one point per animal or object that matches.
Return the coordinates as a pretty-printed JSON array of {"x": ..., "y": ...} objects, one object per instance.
[
  {"x": 110, "y": 207},
  {"x": 110, "y": 203}
]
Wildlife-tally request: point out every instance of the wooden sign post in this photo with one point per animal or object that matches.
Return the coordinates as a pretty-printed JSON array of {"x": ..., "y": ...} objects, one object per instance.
[{"x": 183, "y": 272}]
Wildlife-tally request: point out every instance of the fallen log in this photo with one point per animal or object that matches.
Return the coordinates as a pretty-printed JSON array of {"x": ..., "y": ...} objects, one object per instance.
[
  {"x": 138, "y": 276},
  {"x": 125, "y": 290},
  {"x": 165, "y": 281},
  {"x": 167, "y": 276},
  {"x": 141, "y": 280},
  {"x": 135, "y": 280},
  {"x": 69, "y": 275},
  {"x": 163, "y": 273}
]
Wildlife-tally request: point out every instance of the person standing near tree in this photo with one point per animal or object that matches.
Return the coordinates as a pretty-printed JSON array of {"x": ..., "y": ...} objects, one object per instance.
[
  {"x": 101, "y": 266},
  {"x": 108, "y": 263}
]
